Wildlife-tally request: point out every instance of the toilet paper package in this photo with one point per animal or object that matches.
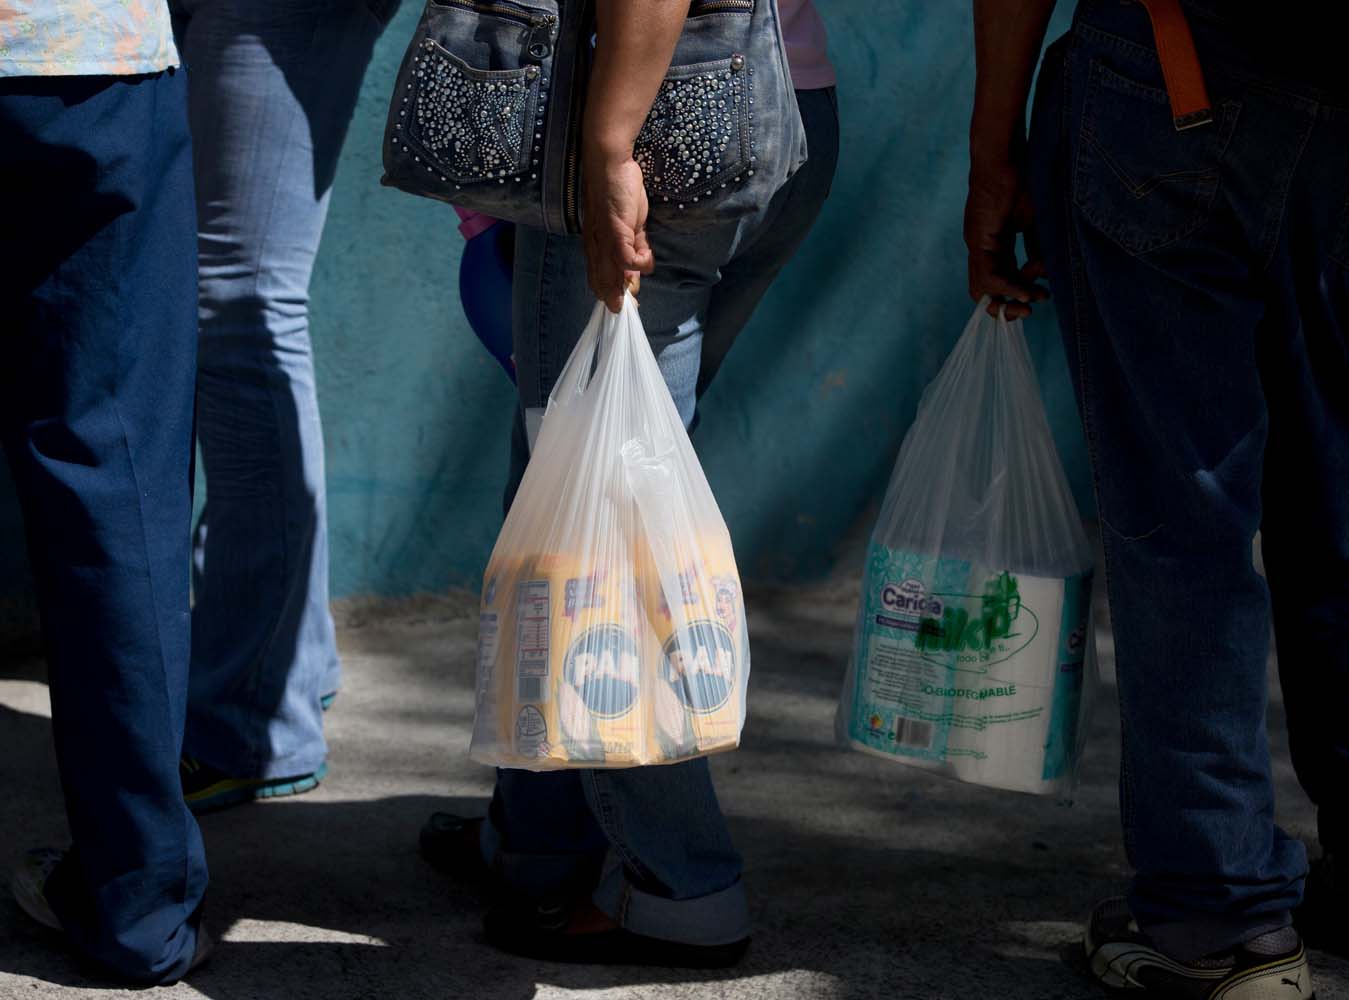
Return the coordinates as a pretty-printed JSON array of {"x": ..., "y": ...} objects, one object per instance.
[
  {"x": 972, "y": 655},
  {"x": 612, "y": 624},
  {"x": 971, "y": 671}
]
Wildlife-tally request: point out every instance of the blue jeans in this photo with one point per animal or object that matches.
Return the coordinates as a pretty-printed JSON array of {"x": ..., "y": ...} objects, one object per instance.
[
  {"x": 273, "y": 86},
  {"x": 96, "y": 416},
  {"x": 673, "y": 872},
  {"x": 1201, "y": 284}
]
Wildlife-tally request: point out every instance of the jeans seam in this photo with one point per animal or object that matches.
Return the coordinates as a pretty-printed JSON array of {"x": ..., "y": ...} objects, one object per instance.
[
  {"x": 612, "y": 826},
  {"x": 1079, "y": 304},
  {"x": 1271, "y": 239}
]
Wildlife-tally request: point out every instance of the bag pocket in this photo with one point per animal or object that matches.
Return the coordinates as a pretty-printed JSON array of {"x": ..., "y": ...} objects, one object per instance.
[
  {"x": 698, "y": 137},
  {"x": 1137, "y": 179},
  {"x": 472, "y": 125}
]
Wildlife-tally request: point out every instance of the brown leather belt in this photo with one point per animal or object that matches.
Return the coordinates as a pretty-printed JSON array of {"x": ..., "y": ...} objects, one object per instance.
[{"x": 1190, "y": 105}]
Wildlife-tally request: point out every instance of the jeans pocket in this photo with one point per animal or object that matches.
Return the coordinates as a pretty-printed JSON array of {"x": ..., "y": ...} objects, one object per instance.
[
  {"x": 471, "y": 124},
  {"x": 697, "y": 136},
  {"x": 1136, "y": 178}
]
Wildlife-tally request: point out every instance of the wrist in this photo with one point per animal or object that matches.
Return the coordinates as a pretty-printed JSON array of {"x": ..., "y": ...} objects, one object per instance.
[
  {"x": 997, "y": 135},
  {"x": 605, "y": 152}
]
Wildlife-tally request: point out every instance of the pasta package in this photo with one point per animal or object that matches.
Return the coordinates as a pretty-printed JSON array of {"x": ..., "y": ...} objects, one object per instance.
[{"x": 612, "y": 624}]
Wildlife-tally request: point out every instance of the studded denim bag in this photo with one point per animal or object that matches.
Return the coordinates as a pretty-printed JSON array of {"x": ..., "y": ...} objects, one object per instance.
[{"x": 487, "y": 109}]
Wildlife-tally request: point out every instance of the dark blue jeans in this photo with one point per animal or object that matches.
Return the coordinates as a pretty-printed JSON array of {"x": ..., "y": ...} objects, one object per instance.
[
  {"x": 1200, "y": 279},
  {"x": 99, "y": 339}
]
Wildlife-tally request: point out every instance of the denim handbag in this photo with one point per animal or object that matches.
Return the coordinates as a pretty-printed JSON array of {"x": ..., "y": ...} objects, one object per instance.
[{"x": 486, "y": 113}]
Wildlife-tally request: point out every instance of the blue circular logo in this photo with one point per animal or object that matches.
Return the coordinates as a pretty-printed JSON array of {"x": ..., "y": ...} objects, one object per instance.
[
  {"x": 700, "y": 664},
  {"x": 602, "y": 666}
]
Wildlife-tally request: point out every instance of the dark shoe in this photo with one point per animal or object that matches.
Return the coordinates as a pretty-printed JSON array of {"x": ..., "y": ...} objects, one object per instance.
[
  {"x": 1323, "y": 917},
  {"x": 29, "y": 885},
  {"x": 552, "y": 931},
  {"x": 206, "y": 790},
  {"x": 1270, "y": 967},
  {"x": 452, "y": 845}
]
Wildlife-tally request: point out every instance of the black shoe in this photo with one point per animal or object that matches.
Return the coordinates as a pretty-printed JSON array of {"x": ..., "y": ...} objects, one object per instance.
[
  {"x": 1270, "y": 967},
  {"x": 452, "y": 845},
  {"x": 548, "y": 930},
  {"x": 1324, "y": 914}
]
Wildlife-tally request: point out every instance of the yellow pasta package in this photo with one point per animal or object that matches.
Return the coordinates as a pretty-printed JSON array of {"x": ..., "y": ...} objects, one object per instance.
[
  {"x": 612, "y": 624},
  {"x": 703, "y": 645}
]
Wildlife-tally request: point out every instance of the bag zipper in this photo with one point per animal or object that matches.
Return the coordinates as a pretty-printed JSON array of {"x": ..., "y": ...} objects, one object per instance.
[
  {"x": 571, "y": 182},
  {"x": 720, "y": 6},
  {"x": 502, "y": 8}
]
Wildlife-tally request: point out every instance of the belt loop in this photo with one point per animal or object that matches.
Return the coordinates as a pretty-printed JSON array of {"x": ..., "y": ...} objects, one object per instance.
[{"x": 1184, "y": 77}]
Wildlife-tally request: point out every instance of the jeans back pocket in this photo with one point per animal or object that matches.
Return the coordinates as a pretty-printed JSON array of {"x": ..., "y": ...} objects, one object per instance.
[{"x": 1136, "y": 178}]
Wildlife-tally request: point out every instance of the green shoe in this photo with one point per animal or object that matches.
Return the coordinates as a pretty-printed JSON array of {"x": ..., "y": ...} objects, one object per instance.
[{"x": 206, "y": 789}]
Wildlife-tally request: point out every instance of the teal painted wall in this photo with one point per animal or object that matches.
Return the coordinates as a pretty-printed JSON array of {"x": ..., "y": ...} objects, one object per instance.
[{"x": 802, "y": 427}]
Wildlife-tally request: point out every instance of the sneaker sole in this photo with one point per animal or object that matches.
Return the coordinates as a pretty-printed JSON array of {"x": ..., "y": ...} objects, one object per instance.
[
  {"x": 1114, "y": 966},
  {"x": 234, "y": 792}
]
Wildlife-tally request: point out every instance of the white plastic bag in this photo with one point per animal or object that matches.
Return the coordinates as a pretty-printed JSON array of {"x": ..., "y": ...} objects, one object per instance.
[
  {"x": 612, "y": 626},
  {"x": 971, "y": 653}
]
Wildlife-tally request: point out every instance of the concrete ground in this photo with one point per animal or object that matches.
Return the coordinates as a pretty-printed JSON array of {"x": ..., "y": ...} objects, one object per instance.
[{"x": 868, "y": 879}]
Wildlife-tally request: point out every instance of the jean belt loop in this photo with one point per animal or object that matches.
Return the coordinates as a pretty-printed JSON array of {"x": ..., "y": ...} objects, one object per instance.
[{"x": 1190, "y": 105}]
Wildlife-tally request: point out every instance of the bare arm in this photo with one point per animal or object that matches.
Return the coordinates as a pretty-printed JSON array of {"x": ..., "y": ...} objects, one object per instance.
[
  {"x": 635, "y": 40},
  {"x": 1008, "y": 35}
]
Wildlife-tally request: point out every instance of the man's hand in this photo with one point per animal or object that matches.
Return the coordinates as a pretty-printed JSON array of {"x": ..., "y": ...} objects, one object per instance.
[
  {"x": 997, "y": 210},
  {"x": 615, "y": 227}
]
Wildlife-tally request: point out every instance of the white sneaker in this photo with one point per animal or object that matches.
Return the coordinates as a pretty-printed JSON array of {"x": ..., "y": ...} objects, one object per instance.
[{"x": 29, "y": 884}]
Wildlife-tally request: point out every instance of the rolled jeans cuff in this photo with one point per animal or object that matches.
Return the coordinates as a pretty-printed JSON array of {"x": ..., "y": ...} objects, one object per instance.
[
  {"x": 720, "y": 917},
  {"x": 531, "y": 874}
]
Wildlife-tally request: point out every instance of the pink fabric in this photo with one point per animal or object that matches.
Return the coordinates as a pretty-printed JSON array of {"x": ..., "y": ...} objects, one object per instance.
[
  {"x": 807, "y": 45},
  {"x": 473, "y": 223}
]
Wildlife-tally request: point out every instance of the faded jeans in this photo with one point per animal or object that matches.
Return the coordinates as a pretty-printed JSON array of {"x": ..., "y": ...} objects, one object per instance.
[{"x": 273, "y": 84}]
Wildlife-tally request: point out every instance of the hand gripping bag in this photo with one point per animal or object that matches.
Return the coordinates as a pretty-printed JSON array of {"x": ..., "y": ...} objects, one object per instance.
[
  {"x": 612, "y": 624},
  {"x": 971, "y": 652}
]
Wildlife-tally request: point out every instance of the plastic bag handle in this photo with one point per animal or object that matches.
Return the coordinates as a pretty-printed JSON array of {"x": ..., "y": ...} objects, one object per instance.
[
  {"x": 585, "y": 359},
  {"x": 594, "y": 347}
]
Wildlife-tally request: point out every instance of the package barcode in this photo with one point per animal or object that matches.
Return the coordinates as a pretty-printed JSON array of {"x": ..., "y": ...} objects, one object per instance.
[
  {"x": 913, "y": 733},
  {"x": 530, "y": 689}
]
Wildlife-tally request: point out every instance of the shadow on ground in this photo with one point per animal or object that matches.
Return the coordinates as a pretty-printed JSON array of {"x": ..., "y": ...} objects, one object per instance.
[{"x": 867, "y": 879}]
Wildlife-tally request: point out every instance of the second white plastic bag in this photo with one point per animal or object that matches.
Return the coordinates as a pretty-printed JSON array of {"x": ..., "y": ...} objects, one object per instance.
[
  {"x": 972, "y": 646},
  {"x": 612, "y": 625}
]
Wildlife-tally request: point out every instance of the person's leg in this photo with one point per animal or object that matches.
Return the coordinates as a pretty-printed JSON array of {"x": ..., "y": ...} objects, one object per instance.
[
  {"x": 696, "y": 873},
  {"x": 1159, "y": 289},
  {"x": 746, "y": 278},
  {"x": 96, "y": 408},
  {"x": 273, "y": 86},
  {"x": 1306, "y": 525}
]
